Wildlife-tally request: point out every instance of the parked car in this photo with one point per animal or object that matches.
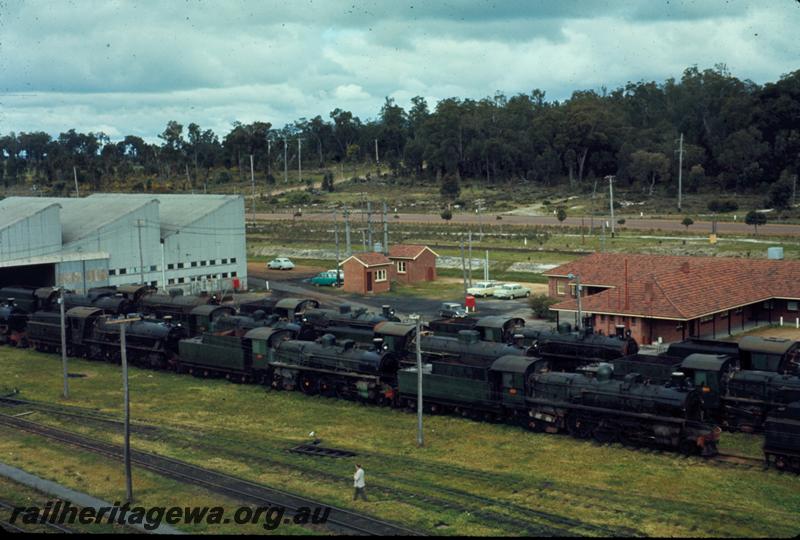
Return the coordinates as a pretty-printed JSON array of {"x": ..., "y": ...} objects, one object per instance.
[
  {"x": 483, "y": 288},
  {"x": 281, "y": 263},
  {"x": 341, "y": 273},
  {"x": 452, "y": 310},
  {"x": 325, "y": 279},
  {"x": 511, "y": 290}
]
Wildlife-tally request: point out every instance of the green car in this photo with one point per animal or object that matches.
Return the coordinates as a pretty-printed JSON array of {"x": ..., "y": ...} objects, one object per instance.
[{"x": 327, "y": 279}]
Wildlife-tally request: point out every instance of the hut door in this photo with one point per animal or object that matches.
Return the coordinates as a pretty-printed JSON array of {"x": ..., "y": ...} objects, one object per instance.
[
  {"x": 369, "y": 281},
  {"x": 429, "y": 273}
]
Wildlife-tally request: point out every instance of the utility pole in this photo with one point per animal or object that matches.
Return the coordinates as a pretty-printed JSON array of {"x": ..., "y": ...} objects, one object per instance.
[
  {"x": 611, "y": 201},
  {"x": 64, "y": 344},
  {"x": 680, "y": 172},
  {"x": 127, "y": 404},
  {"x": 385, "y": 231},
  {"x": 463, "y": 267},
  {"x": 376, "y": 152},
  {"x": 75, "y": 176},
  {"x": 469, "y": 258},
  {"x": 416, "y": 319},
  {"x": 364, "y": 240},
  {"x": 478, "y": 208},
  {"x": 285, "y": 162},
  {"x": 577, "y": 280},
  {"x": 336, "y": 236},
  {"x": 300, "y": 159},
  {"x": 141, "y": 257},
  {"x": 348, "y": 247},
  {"x": 486, "y": 267},
  {"x": 369, "y": 225},
  {"x": 253, "y": 182}
]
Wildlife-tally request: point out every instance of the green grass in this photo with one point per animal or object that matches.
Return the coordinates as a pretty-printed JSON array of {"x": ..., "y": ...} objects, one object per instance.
[{"x": 497, "y": 473}]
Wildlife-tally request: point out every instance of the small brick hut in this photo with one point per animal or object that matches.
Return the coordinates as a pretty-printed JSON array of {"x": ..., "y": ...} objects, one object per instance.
[
  {"x": 413, "y": 263},
  {"x": 367, "y": 273}
]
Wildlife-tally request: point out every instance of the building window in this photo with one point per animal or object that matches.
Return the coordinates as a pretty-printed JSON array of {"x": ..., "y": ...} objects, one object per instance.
[
  {"x": 224, "y": 261},
  {"x": 707, "y": 318},
  {"x": 560, "y": 288},
  {"x": 225, "y": 274},
  {"x": 170, "y": 266},
  {"x": 180, "y": 265},
  {"x": 233, "y": 274},
  {"x": 123, "y": 271},
  {"x": 380, "y": 275},
  {"x": 603, "y": 318},
  {"x": 203, "y": 263},
  {"x": 791, "y": 305},
  {"x": 212, "y": 261},
  {"x": 401, "y": 267},
  {"x": 180, "y": 280},
  {"x": 194, "y": 264},
  {"x": 171, "y": 281},
  {"x": 233, "y": 260},
  {"x": 154, "y": 283},
  {"x": 153, "y": 268},
  {"x": 112, "y": 272},
  {"x": 723, "y": 315},
  {"x": 573, "y": 290}
]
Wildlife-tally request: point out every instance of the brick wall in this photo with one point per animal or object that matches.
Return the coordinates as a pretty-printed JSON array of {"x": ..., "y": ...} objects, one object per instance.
[
  {"x": 355, "y": 277},
  {"x": 416, "y": 270}
]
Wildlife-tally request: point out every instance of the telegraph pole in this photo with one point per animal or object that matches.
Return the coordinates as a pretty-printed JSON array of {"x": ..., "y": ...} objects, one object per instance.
[
  {"x": 64, "y": 343},
  {"x": 463, "y": 267},
  {"x": 348, "y": 246},
  {"x": 416, "y": 319},
  {"x": 75, "y": 176},
  {"x": 469, "y": 258},
  {"x": 336, "y": 236},
  {"x": 285, "y": 163},
  {"x": 369, "y": 224},
  {"x": 300, "y": 159},
  {"x": 478, "y": 208},
  {"x": 486, "y": 267},
  {"x": 141, "y": 257},
  {"x": 253, "y": 182},
  {"x": 127, "y": 404},
  {"x": 680, "y": 172},
  {"x": 385, "y": 231},
  {"x": 376, "y": 152},
  {"x": 611, "y": 202}
]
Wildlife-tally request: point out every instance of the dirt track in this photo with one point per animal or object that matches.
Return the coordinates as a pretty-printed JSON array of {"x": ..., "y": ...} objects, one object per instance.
[{"x": 699, "y": 227}]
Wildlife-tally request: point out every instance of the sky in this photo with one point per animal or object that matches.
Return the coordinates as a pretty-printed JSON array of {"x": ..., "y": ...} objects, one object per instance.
[{"x": 130, "y": 67}]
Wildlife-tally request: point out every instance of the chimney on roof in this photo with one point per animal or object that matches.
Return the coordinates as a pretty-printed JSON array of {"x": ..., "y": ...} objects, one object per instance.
[{"x": 685, "y": 267}]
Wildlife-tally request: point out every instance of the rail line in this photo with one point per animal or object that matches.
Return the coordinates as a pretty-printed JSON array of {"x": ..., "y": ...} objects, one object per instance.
[
  {"x": 54, "y": 526},
  {"x": 339, "y": 519}
]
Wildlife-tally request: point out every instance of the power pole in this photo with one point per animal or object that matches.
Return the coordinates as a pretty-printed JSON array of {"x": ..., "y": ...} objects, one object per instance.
[
  {"x": 376, "y": 152},
  {"x": 285, "y": 163},
  {"x": 418, "y": 336},
  {"x": 336, "y": 236},
  {"x": 369, "y": 224},
  {"x": 141, "y": 257},
  {"x": 75, "y": 176},
  {"x": 478, "y": 208},
  {"x": 469, "y": 258},
  {"x": 253, "y": 183},
  {"x": 610, "y": 179},
  {"x": 300, "y": 159},
  {"x": 463, "y": 267},
  {"x": 64, "y": 344},
  {"x": 385, "y": 231},
  {"x": 680, "y": 172},
  {"x": 364, "y": 240},
  {"x": 486, "y": 267},
  {"x": 348, "y": 247}
]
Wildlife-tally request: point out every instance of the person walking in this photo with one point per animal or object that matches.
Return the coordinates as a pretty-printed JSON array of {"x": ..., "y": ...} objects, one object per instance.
[{"x": 358, "y": 483}]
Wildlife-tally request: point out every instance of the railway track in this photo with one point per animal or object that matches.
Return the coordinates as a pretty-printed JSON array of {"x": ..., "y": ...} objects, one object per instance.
[
  {"x": 14, "y": 528},
  {"x": 339, "y": 520}
]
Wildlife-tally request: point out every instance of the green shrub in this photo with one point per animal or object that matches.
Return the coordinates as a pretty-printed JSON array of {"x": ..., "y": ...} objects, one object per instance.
[{"x": 540, "y": 305}]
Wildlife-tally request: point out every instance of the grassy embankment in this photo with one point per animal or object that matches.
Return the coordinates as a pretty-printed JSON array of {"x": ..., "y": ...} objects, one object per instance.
[{"x": 493, "y": 477}]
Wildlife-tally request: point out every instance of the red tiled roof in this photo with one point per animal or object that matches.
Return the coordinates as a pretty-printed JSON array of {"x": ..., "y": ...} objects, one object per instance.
[
  {"x": 673, "y": 287},
  {"x": 407, "y": 251},
  {"x": 368, "y": 259}
]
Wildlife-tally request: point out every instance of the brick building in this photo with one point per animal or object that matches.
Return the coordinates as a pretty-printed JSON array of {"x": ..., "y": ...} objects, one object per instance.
[
  {"x": 366, "y": 273},
  {"x": 412, "y": 263},
  {"x": 674, "y": 297}
]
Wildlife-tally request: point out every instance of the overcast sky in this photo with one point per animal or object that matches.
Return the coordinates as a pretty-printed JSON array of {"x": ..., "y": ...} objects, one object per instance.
[{"x": 129, "y": 67}]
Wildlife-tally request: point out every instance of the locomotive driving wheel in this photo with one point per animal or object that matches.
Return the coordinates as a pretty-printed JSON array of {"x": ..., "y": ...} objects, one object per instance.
[
  {"x": 579, "y": 428},
  {"x": 308, "y": 385}
]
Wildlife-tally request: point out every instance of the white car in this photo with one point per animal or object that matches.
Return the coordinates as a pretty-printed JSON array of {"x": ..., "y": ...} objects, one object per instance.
[
  {"x": 483, "y": 288},
  {"x": 511, "y": 290},
  {"x": 281, "y": 263},
  {"x": 341, "y": 273}
]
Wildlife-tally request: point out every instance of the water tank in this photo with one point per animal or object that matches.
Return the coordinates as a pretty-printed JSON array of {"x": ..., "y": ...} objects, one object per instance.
[{"x": 775, "y": 253}]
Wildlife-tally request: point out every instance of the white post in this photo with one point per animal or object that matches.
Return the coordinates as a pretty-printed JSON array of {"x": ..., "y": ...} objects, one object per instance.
[
  {"x": 486, "y": 267},
  {"x": 611, "y": 201},
  {"x": 420, "y": 440},
  {"x": 680, "y": 172},
  {"x": 781, "y": 320}
]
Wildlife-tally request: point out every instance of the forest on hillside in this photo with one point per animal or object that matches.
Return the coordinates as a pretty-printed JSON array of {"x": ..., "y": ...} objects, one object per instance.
[{"x": 738, "y": 136}]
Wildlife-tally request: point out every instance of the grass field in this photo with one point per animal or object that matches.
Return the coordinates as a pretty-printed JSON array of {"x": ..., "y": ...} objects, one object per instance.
[{"x": 470, "y": 478}]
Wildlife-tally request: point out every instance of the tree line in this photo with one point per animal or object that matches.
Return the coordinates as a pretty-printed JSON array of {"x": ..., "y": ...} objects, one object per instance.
[{"x": 737, "y": 135}]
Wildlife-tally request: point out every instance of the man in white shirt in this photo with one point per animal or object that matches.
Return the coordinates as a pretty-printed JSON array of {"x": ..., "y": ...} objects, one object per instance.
[{"x": 358, "y": 483}]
